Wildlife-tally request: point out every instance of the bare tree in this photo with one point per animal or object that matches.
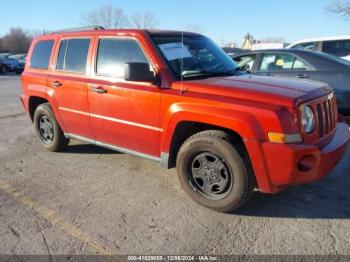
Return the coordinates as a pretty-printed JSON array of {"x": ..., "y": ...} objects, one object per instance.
[
  {"x": 16, "y": 41},
  {"x": 340, "y": 8},
  {"x": 34, "y": 33},
  {"x": 144, "y": 20},
  {"x": 107, "y": 16}
]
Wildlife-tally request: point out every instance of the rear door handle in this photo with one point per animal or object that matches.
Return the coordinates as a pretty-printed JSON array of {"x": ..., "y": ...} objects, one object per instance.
[
  {"x": 55, "y": 84},
  {"x": 98, "y": 89},
  {"x": 301, "y": 76}
]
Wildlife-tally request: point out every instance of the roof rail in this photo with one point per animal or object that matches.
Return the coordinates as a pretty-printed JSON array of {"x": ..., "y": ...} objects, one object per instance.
[{"x": 77, "y": 29}]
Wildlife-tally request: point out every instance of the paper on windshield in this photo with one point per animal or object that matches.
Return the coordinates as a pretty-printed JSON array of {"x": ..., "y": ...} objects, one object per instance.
[{"x": 174, "y": 51}]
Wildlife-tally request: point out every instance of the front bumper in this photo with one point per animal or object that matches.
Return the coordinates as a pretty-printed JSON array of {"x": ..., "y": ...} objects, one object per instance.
[{"x": 290, "y": 164}]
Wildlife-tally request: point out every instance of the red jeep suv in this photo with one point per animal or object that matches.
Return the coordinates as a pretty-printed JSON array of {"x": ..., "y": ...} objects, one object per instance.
[{"x": 178, "y": 99}]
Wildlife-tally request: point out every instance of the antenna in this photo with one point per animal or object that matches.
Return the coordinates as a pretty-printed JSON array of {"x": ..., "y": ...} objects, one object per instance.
[{"x": 182, "y": 46}]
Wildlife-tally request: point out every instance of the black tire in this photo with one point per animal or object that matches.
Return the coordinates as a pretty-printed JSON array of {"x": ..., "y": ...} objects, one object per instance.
[
  {"x": 3, "y": 69},
  {"x": 48, "y": 130},
  {"x": 231, "y": 180}
]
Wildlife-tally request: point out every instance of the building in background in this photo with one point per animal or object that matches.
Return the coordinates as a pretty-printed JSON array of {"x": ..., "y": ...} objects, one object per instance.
[{"x": 249, "y": 43}]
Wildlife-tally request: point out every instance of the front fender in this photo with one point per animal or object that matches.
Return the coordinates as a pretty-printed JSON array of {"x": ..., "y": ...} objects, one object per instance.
[
  {"x": 251, "y": 123},
  {"x": 243, "y": 123}
]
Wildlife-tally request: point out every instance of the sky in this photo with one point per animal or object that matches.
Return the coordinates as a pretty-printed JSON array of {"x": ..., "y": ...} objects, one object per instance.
[{"x": 222, "y": 20}]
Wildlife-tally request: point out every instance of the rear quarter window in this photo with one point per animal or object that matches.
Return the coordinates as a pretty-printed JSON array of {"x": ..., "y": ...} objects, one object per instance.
[{"x": 41, "y": 54}]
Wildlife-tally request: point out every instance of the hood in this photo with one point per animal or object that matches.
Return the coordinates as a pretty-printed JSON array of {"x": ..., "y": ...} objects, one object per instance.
[{"x": 266, "y": 89}]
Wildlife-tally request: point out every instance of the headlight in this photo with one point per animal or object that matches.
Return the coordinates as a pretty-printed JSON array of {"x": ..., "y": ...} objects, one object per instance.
[{"x": 307, "y": 119}]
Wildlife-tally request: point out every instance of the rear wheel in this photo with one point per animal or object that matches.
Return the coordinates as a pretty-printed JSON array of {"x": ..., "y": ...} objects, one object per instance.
[
  {"x": 3, "y": 69},
  {"x": 48, "y": 130},
  {"x": 215, "y": 171}
]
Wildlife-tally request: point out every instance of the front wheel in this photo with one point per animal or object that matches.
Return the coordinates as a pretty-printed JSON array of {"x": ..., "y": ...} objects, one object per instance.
[
  {"x": 215, "y": 171},
  {"x": 48, "y": 130}
]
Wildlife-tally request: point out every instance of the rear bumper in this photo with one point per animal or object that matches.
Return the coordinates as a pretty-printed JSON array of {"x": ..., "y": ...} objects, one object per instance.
[{"x": 290, "y": 164}]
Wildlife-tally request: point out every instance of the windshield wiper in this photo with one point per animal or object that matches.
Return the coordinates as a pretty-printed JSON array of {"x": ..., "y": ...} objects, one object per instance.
[{"x": 193, "y": 73}]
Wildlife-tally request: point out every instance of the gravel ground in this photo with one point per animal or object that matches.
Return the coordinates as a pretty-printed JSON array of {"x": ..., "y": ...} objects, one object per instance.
[{"x": 89, "y": 200}]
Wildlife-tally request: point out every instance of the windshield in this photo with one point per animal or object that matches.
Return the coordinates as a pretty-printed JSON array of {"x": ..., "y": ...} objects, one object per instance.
[{"x": 195, "y": 56}]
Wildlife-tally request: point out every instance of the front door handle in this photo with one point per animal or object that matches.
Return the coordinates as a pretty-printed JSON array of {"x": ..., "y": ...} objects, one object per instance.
[
  {"x": 98, "y": 89},
  {"x": 302, "y": 76},
  {"x": 55, "y": 84}
]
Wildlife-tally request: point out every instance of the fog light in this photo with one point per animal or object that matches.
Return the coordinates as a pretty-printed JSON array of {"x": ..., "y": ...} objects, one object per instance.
[{"x": 306, "y": 163}]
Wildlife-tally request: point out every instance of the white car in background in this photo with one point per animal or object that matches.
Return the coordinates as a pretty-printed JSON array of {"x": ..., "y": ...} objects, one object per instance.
[{"x": 335, "y": 45}]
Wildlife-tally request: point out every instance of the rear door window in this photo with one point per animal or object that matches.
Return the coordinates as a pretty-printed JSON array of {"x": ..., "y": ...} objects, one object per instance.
[
  {"x": 72, "y": 55},
  {"x": 112, "y": 54},
  {"x": 281, "y": 62},
  {"x": 276, "y": 62},
  {"x": 61, "y": 55},
  {"x": 300, "y": 65},
  {"x": 338, "y": 48},
  {"x": 41, "y": 54}
]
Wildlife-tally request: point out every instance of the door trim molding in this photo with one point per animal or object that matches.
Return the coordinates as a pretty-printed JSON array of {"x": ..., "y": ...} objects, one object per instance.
[
  {"x": 112, "y": 119},
  {"x": 73, "y": 111}
]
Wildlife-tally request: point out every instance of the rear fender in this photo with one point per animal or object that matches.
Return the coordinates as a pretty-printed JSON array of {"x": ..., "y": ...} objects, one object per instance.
[{"x": 49, "y": 95}]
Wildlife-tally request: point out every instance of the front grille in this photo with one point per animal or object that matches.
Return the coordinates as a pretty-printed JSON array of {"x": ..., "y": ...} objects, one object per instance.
[
  {"x": 326, "y": 115},
  {"x": 320, "y": 120}
]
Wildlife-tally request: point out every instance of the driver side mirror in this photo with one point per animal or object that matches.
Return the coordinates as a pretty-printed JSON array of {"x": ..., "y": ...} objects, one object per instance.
[{"x": 138, "y": 72}]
